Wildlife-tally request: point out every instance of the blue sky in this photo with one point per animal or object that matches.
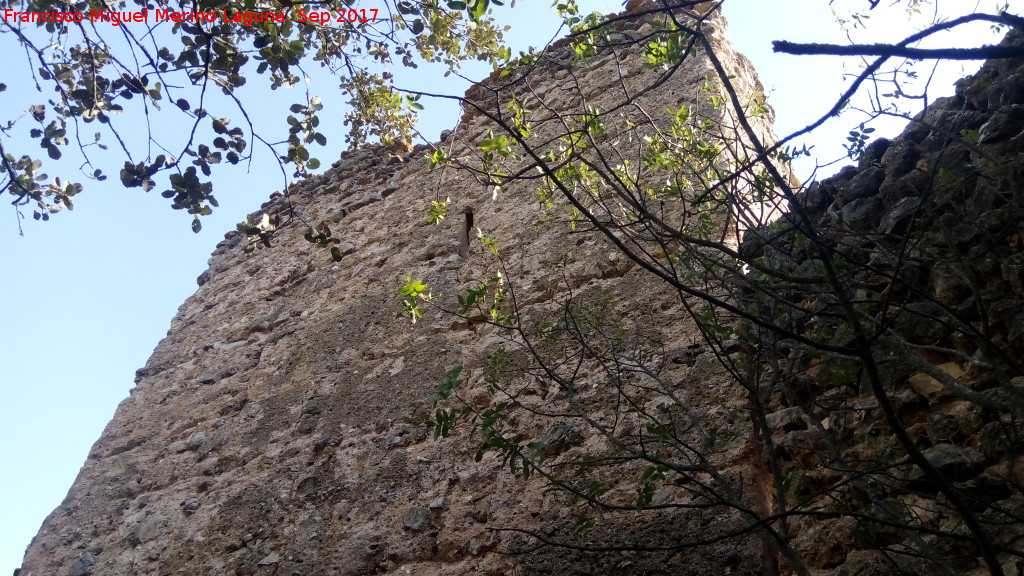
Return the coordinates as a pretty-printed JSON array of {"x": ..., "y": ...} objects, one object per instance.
[{"x": 92, "y": 292}]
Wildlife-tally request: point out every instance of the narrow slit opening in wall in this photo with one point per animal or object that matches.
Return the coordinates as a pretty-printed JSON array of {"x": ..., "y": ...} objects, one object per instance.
[{"x": 467, "y": 229}]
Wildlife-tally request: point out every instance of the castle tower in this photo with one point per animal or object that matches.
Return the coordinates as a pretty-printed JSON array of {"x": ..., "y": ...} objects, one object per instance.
[{"x": 278, "y": 429}]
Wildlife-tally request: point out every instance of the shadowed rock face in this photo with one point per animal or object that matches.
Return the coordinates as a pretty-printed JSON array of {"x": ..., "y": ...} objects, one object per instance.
[
  {"x": 278, "y": 428},
  {"x": 927, "y": 237}
]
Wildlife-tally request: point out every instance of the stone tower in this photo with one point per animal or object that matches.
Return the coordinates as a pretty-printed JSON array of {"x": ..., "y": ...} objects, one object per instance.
[{"x": 278, "y": 428}]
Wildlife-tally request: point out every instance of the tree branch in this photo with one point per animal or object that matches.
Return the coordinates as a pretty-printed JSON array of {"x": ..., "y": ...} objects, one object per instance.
[{"x": 890, "y": 50}]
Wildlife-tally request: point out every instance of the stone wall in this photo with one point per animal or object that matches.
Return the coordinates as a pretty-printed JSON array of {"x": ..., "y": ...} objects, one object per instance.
[
  {"x": 278, "y": 428},
  {"x": 924, "y": 286}
]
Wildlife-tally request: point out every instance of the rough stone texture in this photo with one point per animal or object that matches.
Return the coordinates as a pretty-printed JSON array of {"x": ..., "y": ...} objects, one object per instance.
[
  {"x": 278, "y": 428},
  {"x": 927, "y": 237}
]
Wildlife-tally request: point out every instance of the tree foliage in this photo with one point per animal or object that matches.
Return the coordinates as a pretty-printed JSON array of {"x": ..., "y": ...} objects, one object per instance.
[{"x": 100, "y": 78}]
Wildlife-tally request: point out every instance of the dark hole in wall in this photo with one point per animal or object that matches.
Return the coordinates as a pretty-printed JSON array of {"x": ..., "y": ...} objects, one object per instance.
[{"x": 467, "y": 229}]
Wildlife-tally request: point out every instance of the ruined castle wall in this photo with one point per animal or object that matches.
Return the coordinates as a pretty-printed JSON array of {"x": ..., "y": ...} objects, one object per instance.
[
  {"x": 278, "y": 428},
  {"x": 927, "y": 243}
]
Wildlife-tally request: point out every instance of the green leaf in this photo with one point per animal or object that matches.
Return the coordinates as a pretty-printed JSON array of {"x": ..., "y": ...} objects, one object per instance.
[
  {"x": 336, "y": 254},
  {"x": 196, "y": 225},
  {"x": 477, "y": 9}
]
